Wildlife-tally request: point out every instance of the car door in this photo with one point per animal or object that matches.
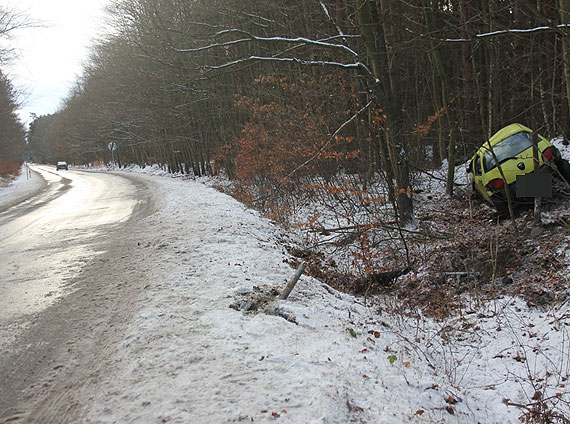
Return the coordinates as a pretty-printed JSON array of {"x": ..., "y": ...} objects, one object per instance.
[{"x": 478, "y": 178}]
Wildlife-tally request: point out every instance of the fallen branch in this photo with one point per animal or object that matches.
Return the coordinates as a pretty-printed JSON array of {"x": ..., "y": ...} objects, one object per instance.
[{"x": 366, "y": 227}]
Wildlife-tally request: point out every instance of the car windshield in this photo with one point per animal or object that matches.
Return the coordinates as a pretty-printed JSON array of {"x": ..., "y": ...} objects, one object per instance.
[{"x": 508, "y": 148}]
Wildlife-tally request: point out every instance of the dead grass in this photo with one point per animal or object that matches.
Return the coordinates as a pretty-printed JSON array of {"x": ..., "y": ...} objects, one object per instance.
[{"x": 8, "y": 168}]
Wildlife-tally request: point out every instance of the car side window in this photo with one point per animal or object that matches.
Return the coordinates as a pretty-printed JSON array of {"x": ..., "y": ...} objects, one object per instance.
[{"x": 477, "y": 166}]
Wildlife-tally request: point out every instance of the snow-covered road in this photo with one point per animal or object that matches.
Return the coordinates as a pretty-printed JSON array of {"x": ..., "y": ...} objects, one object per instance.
[
  {"x": 47, "y": 238},
  {"x": 184, "y": 355}
]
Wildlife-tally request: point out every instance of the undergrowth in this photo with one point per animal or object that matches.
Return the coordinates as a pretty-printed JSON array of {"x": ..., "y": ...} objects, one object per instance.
[
  {"x": 465, "y": 263},
  {"x": 457, "y": 249},
  {"x": 8, "y": 168}
]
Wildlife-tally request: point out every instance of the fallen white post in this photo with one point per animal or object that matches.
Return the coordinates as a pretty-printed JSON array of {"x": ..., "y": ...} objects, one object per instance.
[{"x": 285, "y": 294}]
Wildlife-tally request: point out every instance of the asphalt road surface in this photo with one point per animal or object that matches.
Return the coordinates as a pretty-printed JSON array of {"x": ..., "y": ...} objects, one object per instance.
[{"x": 64, "y": 283}]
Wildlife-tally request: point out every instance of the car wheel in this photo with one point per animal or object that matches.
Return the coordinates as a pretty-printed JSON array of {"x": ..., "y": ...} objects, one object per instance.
[{"x": 564, "y": 168}]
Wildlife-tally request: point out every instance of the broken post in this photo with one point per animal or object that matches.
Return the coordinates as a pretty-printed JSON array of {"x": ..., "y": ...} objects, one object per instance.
[{"x": 285, "y": 294}]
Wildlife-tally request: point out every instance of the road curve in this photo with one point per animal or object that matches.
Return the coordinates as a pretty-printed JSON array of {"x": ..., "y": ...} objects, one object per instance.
[{"x": 62, "y": 254}]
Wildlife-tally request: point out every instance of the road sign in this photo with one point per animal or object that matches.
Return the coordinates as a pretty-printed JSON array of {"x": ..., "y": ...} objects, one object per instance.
[{"x": 112, "y": 146}]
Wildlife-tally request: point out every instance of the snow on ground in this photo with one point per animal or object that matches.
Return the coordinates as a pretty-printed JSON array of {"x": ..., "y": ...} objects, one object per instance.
[
  {"x": 319, "y": 357},
  {"x": 563, "y": 146},
  {"x": 189, "y": 357},
  {"x": 22, "y": 187}
]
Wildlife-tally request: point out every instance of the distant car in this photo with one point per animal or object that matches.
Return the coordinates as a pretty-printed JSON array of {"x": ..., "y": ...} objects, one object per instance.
[
  {"x": 511, "y": 147},
  {"x": 61, "y": 165}
]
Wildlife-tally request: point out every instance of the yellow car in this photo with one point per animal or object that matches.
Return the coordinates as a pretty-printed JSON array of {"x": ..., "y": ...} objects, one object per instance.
[{"x": 511, "y": 148}]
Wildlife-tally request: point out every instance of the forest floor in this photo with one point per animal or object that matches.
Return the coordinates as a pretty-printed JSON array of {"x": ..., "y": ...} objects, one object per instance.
[
  {"x": 460, "y": 251},
  {"x": 464, "y": 252}
]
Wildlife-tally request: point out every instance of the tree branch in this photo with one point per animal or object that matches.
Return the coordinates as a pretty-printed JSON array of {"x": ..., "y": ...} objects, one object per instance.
[
  {"x": 493, "y": 34},
  {"x": 252, "y": 37},
  {"x": 330, "y": 139}
]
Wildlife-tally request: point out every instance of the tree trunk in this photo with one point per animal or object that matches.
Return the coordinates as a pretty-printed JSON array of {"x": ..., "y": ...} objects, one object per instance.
[
  {"x": 469, "y": 88},
  {"x": 564, "y": 7},
  {"x": 375, "y": 41},
  {"x": 537, "y": 219}
]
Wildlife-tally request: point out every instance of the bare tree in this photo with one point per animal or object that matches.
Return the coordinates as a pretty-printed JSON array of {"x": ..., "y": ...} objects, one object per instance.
[
  {"x": 12, "y": 142},
  {"x": 11, "y": 21},
  {"x": 165, "y": 80}
]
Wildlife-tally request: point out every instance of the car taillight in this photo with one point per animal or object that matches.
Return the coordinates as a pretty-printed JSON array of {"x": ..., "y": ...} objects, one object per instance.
[
  {"x": 548, "y": 154},
  {"x": 497, "y": 183}
]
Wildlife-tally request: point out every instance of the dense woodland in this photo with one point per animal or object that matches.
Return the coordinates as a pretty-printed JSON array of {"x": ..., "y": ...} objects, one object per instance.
[
  {"x": 274, "y": 94},
  {"x": 12, "y": 132}
]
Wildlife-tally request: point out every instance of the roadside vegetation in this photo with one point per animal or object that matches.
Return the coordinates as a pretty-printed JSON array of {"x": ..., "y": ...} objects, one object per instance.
[
  {"x": 12, "y": 141},
  {"x": 12, "y": 131},
  {"x": 341, "y": 103}
]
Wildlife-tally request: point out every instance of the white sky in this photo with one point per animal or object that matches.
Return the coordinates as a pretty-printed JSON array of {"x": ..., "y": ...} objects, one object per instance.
[{"x": 50, "y": 57}]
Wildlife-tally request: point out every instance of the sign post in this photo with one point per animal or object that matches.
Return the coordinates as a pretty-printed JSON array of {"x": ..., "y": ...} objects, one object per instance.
[{"x": 112, "y": 147}]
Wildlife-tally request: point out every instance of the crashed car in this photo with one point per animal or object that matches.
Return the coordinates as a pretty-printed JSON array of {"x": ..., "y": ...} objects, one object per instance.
[{"x": 511, "y": 149}]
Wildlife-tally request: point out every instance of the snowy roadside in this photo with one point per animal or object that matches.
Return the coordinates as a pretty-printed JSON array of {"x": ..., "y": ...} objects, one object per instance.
[
  {"x": 189, "y": 357},
  {"x": 319, "y": 357},
  {"x": 23, "y": 187}
]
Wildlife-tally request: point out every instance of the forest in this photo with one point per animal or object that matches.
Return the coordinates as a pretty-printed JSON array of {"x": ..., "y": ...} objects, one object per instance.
[
  {"x": 272, "y": 94},
  {"x": 344, "y": 104},
  {"x": 12, "y": 131}
]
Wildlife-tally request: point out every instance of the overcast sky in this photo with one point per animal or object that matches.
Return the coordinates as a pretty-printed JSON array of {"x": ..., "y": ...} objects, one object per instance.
[{"x": 51, "y": 57}]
